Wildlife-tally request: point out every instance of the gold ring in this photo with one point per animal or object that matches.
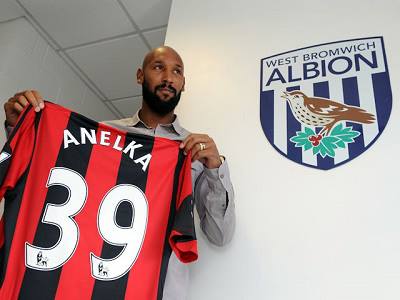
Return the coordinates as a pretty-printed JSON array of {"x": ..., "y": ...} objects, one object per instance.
[{"x": 202, "y": 146}]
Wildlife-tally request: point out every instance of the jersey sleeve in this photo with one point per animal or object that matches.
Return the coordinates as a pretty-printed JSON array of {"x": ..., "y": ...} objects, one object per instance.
[
  {"x": 183, "y": 237},
  {"x": 15, "y": 156}
]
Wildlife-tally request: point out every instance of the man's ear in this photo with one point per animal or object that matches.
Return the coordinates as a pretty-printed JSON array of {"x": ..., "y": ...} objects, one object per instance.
[
  {"x": 139, "y": 76},
  {"x": 183, "y": 87}
]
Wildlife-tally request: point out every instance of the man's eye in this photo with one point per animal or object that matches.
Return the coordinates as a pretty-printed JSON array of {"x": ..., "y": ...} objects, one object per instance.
[
  {"x": 157, "y": 67},
  {"x": 178, "y": 71}
]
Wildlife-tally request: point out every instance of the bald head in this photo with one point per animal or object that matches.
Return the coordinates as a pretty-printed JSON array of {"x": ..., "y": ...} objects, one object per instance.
[
  {"x": 162, "y": 79},
  {"x": 161, "y": 51}
]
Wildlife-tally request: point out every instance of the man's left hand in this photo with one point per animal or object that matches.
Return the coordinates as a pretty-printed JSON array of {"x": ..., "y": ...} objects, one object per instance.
[{"x": 203, "y": 149}]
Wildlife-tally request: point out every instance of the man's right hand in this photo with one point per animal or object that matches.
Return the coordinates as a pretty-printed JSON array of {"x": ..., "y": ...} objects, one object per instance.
[{"x": 15, "y": 105}]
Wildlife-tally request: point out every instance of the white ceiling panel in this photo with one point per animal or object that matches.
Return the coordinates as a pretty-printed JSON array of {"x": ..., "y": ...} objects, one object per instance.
[
  {"x": 149, "y": 13},
  {"x": 156, "y": 38},
  {"x": 128, "y": 106},
  {"x": 94, "y": 109},
  {"x": 112, "y": 65},
  {"x": 75, "y": 22},
  {"x": 9, "y": 10}
]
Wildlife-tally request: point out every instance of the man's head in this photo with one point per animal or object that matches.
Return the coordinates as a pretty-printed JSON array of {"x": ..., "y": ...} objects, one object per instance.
[{"x": 162, "y": 79}]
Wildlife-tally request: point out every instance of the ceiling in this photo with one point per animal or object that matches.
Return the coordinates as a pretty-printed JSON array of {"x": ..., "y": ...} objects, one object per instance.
[{"x": 104, "y": 41}]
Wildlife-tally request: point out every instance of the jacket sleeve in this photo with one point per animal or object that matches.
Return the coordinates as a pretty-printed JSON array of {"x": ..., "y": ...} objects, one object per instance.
[{"x": 214, "y": 200}]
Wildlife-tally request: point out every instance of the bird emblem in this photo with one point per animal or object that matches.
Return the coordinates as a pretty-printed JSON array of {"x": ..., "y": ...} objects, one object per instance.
[{"x": 322, "y": 112}]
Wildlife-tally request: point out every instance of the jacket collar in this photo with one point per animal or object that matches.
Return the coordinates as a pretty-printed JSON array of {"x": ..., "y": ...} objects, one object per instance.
[{"x": 175, "y": 125}]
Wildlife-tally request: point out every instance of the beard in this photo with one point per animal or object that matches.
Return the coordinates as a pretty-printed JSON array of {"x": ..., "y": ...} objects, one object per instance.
[{"x": 156, "y": 104}]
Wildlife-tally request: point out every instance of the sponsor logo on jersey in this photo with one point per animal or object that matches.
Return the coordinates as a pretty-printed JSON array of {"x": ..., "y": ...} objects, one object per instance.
[{"x": 322, "y": 106}]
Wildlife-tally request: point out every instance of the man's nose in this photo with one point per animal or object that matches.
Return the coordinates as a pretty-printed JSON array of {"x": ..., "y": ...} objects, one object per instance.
[{"x": 167, "y": 77}]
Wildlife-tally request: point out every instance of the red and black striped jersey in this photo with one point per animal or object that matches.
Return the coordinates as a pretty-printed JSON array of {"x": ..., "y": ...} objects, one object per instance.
[{"x": 90, "y": 211}]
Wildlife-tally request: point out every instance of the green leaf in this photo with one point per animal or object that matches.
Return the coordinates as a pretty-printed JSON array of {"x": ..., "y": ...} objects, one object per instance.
[
  {"x": 337, "y": 130},
  {"x": 329, "y": 146},
  {"x": 315, "y": 150},
  {"x": 330, "y": 139},
  {"x": 347, "y": 139},
  {"x": 322, "y": 150},
  {"x": 298, "y": 139},
  {"x": 341, "y": 144},
  {"x": 309, "y": 131},
  {"x": 307, "y": 146},
  {"x": 299, "y": 135},
  {"x": 301, "y": 143},
  {"x": 344, "y": 135}
]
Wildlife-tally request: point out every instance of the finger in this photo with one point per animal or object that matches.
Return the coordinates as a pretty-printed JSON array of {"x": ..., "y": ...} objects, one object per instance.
[
  {"x": 202, "y": 154},
  {"x": 192, "y": 138},
  {"x": 194, "y": 152},
  {"x": 195, "y": 143},
  {"x": 185, "y": 141},
  {"x": 21, "y": 100},
  {"x": 202, "y": 160},
  {"x": 32, "y": 99},
  {"x": 208, "y": 152},
  {"x": 207, "y": 145},
  {"x": 19, "y": 94},
  {"x": 39, "y": 98},
  {"x": 192, "y": 147},
  {"x": 18, "y": 107},
  {"x": 24, "y": 101}
]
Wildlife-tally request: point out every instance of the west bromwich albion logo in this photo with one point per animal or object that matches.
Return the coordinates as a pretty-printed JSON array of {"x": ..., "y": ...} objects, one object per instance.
[{"x": 322, "y": 106}]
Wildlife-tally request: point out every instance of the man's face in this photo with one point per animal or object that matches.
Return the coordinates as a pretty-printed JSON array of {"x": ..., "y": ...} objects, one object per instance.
[
  {"x": 157, "y": 104},
  {"x": 162, "y": 80}
]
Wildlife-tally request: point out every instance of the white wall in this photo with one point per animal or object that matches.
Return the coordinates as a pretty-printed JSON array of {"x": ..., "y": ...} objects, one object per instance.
[
  {"x": 28, "y": 62},
  {"x": 341, "y": 242}
]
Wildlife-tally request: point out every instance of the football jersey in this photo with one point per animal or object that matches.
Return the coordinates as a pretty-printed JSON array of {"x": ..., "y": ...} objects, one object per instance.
[{"x": 90, "y": 212}]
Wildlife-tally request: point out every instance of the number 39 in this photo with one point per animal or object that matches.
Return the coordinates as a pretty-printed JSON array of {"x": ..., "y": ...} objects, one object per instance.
[{"x": 131, "y": 238}]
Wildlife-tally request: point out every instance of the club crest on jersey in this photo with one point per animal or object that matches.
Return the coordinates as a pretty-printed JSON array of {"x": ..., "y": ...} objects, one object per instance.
[{"x": 324, "y": 105}]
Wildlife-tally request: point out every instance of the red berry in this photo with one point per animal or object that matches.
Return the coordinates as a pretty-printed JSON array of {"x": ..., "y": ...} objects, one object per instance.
[{"x": 315, "y": 139}]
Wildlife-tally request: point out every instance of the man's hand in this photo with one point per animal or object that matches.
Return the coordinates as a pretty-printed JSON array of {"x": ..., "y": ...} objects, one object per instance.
[
  {"x": 203, "y": 149},
  {"x": 15, "y": 105}
]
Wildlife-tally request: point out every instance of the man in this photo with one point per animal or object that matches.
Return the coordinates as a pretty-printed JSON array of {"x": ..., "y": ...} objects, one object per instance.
[{"x": 162, "y": 79}]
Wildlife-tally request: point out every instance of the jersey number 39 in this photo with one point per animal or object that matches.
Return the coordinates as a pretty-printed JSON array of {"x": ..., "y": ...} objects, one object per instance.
[{"x": 61, "y": 215}]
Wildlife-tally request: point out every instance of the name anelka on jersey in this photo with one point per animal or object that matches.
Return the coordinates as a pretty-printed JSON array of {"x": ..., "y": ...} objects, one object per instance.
[{"x": 104, "y": 139}]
